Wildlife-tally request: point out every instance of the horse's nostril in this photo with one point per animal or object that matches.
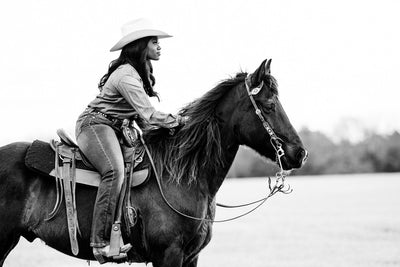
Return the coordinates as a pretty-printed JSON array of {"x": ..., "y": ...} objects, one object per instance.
[
  {"x": 305, "y": 156},
  {"x": 302, "y": 155}
]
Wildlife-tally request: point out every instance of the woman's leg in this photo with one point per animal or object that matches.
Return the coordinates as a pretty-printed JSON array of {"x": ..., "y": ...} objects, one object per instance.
[{"x": 100, "y": 145}]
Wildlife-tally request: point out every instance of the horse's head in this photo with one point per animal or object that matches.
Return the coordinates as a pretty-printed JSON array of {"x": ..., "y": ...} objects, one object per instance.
[
  {"x": 260, "y": 122},
  {"x": 221, "y": 120}
]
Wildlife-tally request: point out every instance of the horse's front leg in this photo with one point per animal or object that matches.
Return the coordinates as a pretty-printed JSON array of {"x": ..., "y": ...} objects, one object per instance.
[{"x": 171, "y": 257}]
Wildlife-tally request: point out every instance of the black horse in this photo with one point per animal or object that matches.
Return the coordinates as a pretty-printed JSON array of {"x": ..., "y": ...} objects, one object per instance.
[{"x": 192, "y": 164}]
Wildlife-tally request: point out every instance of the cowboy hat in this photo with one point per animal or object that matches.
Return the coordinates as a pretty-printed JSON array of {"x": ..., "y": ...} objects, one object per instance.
[{"x": 135, "y": 30}]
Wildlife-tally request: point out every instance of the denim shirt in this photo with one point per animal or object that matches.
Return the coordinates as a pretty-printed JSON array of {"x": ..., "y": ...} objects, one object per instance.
[{"x": 124, "y": 97}]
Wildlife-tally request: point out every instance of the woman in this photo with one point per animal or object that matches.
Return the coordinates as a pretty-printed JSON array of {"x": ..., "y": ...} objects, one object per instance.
[{"x": 124, "y": 94}]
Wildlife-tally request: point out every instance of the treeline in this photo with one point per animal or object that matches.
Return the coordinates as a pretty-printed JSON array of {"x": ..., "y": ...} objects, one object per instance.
[{"x": 376, "y": 153}]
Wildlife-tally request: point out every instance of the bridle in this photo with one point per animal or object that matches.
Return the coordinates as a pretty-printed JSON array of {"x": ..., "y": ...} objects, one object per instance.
[{"x": 276, "y": 143}]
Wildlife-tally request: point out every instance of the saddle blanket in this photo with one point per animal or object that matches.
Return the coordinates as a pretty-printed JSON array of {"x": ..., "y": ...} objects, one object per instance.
[{"x": 40, "y": 157}]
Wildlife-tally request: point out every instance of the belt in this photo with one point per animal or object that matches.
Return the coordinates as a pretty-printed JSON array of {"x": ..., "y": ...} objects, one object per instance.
[
  {"x": 108, "y": 117},
  {"x": 117, "y": 122}
]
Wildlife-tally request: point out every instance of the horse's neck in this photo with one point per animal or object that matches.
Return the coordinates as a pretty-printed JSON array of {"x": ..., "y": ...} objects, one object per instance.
[
  {"x": 229, "y": 143},
  {"x": 230, "y": 148}
]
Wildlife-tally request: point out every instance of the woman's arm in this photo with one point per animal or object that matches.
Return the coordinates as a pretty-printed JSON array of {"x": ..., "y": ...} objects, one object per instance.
[{"x": 132, "y": 90}]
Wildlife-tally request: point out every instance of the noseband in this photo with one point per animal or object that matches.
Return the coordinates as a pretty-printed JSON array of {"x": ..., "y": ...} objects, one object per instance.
[{"x": 275, "y": 141}]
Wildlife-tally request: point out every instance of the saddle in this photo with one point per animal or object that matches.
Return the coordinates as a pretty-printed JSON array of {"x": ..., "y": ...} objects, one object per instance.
[{"x": 64, "y": 161}]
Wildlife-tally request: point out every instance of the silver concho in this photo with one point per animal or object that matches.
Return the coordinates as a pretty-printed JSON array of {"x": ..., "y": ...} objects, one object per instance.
[{"x": 257, "y": 89}]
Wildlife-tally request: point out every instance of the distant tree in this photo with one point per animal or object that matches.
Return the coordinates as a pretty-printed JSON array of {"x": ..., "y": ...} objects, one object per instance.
[
  {"x": 320, "y": 149},
  {"x": 383, "y": 152},
  {"x": 250, "y": 164},
  {"x": 392, "y": 163},
  {"x": 376, "y": 153}
]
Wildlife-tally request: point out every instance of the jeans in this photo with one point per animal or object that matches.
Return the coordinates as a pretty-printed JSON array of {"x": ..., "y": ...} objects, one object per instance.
[{"x": 98, "y": 140}]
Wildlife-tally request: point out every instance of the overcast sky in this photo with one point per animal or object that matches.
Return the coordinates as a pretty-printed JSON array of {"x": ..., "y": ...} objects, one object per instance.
[{"x": 336, "y": 62}]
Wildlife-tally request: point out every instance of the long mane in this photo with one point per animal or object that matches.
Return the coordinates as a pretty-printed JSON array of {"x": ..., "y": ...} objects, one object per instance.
[{"x": 195, "y": 146}]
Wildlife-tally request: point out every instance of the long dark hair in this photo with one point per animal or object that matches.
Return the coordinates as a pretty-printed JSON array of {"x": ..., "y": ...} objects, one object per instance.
[{"x": 135, "y": 54}]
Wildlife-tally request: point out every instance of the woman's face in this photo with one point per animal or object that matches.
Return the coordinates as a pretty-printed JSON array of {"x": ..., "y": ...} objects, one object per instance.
[{"x": 154, "y": 49}]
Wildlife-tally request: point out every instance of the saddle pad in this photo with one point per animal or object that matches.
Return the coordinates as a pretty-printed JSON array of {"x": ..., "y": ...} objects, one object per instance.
[{"x": 40, "y": 157}]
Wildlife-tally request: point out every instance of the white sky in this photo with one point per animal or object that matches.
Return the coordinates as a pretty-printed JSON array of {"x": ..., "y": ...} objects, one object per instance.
[{"x": 336, "y": 62}]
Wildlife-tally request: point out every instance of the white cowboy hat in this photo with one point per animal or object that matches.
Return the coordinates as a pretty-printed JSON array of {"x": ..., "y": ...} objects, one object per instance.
[{"x": 135, "y": 30}]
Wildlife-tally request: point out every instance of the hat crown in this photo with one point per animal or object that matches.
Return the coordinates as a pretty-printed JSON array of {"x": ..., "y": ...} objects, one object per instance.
[{"x": 136, "y": 25}]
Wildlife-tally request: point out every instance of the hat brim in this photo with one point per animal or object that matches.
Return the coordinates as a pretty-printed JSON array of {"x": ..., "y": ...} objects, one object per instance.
[{"x": 137, "y": 35}]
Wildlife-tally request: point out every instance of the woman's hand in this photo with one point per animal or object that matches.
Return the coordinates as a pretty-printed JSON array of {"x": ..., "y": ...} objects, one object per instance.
[{"x": 182, "y": 120}]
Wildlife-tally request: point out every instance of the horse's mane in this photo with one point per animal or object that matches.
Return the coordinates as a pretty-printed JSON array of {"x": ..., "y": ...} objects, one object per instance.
[{"x": 197, "y": 144}]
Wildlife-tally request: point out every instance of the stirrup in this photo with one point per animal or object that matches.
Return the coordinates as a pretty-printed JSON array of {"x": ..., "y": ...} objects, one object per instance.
[
  {"x": 117, "y": 245},
  {"x": 101, "y": 258}
]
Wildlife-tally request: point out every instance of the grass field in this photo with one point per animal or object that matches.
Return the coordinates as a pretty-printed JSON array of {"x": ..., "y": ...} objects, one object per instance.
[{"x": 346, "y": 220}]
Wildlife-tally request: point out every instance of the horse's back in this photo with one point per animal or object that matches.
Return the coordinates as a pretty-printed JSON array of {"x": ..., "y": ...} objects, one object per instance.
[
  {"x": 12, "y": 169},
  {"x": 13, "y": 152},
  {"x": 12, "y": 166}
]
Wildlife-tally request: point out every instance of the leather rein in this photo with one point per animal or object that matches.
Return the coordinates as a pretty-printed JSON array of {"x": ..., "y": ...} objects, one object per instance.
[{"x": 276, "y": 143}]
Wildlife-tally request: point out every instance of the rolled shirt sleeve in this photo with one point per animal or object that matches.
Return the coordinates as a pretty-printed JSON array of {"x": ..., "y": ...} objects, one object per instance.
[{"x": 132, "y": 90}]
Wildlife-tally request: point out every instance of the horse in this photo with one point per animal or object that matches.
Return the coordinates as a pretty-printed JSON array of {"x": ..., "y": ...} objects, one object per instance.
[{"x": 191, "y": 164}]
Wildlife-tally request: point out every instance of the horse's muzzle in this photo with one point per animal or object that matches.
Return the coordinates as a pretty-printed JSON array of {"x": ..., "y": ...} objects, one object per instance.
[
  {"x": 294, "y": 158},
  {"x": 302, "y": 156}
]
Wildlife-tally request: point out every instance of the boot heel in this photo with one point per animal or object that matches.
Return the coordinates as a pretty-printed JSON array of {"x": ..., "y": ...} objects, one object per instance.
[{"x": 99, "y": 257}]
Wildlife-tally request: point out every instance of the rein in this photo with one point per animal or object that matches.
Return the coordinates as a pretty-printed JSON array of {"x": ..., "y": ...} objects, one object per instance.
[{"x": 279, "y": 185}]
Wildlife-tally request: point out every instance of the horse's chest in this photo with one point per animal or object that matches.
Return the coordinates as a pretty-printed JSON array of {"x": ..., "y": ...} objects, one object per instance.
[
  {"x": 204, "y": 232},
  {"x": 200, "y": 238}
]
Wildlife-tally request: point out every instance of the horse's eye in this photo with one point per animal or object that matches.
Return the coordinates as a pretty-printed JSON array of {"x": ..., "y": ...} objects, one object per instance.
[{"x": 269, "y": 107}]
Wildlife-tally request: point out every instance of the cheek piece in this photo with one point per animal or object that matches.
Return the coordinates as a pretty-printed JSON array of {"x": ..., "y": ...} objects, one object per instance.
[{"x": 275, "y": 141}]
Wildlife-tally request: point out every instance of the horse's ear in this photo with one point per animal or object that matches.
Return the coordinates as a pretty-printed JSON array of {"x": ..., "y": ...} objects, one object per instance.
[
  {"x": 268, "y": 66},
  {"x": 260, "y": 72}
]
